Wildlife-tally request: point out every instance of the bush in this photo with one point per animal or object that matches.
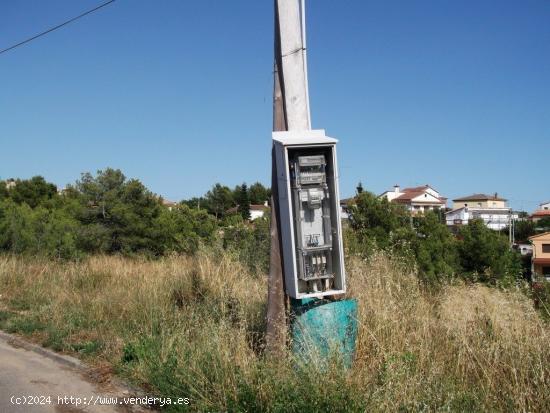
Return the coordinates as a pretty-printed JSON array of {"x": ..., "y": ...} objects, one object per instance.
[
  {"x": 249, "y": 242},
  {"x": 378, "y": 224},
  {"x": 184, "y": 229},
  {"x": 38, "y": 231},
  {"x": 435, "y": 249},
  {"x": 486, "y": 256}
]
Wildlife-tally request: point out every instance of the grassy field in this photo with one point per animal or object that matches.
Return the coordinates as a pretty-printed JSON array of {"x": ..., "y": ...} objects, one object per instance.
[{"x": 194, "y": 327}]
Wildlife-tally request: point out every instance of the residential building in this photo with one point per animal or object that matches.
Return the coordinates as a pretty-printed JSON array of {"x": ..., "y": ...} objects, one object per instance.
[
  {"x": 10, "y": 183},
  {"x": 344, "y": 208},
  {"x": 417, "y": 200},
  {"x": 480, "y": 201},
  {"x": 256, "y": 211},
  {"x": 540, "y": 261},
  {"x": 542, "y": 212},
  {"x": 491, "y": 209},
  {"x": 169, "y": 204}
]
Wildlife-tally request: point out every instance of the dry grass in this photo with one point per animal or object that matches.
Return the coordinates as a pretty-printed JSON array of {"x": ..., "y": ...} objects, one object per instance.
[{"x": 193, "y": 326}]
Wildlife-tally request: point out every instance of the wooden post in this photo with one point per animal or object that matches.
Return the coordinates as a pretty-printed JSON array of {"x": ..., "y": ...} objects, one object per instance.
[{"x": 276, "y": 334}]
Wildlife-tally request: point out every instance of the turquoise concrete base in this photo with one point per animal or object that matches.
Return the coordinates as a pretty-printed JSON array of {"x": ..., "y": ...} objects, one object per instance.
[{"x": 322, "y": 328}]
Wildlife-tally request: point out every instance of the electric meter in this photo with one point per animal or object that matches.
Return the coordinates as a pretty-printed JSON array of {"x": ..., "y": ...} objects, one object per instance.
[{"x": 309, "y": 203}]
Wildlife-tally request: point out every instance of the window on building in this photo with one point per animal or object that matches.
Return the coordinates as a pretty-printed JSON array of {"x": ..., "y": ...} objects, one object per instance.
[
  {"x": 479, "y": 204},
  {"x": 546, "y": 271},
  {"x": 546, "y": 248}
]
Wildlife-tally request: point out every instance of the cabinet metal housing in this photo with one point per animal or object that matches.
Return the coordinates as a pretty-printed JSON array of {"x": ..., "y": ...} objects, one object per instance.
[{"x": 311, "y": 231}]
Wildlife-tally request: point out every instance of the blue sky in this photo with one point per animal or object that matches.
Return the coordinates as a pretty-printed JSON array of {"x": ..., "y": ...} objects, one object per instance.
[{"x": 178, "y": 93}]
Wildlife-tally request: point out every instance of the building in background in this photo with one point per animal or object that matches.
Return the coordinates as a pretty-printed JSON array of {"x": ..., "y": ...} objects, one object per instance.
[
  {"x": 491, "y": 209},
  {"x": 170, "y": 205},
  {"x": 417, "y": 200},
  {"x": 540, "y": 261},
  {"x": 256, "y": 211},
  {"x": 542, "y": 212}
]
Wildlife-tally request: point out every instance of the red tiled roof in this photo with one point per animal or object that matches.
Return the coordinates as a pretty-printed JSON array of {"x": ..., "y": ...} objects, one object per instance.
[
  {"x": 541, "y": 260},
  {"x": 417, "y": 188},
  {"x": 408, "y": 196},
  {"x": 541, "y": 213}
]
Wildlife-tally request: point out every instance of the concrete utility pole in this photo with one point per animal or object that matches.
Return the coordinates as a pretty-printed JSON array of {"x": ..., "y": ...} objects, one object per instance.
[
  {"x": 304, "y": 183},
  {"x": 290, "y": 112},
  {"x": 291, "y": 16}
]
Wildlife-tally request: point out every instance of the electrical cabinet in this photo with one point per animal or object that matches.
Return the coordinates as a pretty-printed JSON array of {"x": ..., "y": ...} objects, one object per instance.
[{"x": 311, "y": 232}]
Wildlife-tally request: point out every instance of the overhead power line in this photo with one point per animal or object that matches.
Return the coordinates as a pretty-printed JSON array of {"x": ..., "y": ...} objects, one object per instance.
[{"x": 56, "y": 27}]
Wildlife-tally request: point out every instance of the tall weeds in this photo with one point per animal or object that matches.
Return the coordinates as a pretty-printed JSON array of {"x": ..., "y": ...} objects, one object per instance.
[{"x": 194, "y": 327}]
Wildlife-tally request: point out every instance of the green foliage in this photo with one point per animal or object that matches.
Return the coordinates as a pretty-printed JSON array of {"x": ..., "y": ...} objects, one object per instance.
[
  {"x": 37, "y": 231},
  {"x": 258, "y": 194},
  {"x": 543, "y": 224},
  {"x": 219, "y": 200},
  {"x": 435, "y": 248},
  {"x": 243, "y": 201},
  {"x": 122, "y": 212},
  {"x": 541, "y": 296},
  {"x": 378, "y": 224},
  {"x": 249, "y": 242},
  {"x": 196, "y": 203},
  {"x": 3, "y": 190},
  {"x": 105, "y": 213},
  {"x": 183, "y": 229},
  {"x": 485, "y": 255},
  {"x": 33, "y": 192},
  {"x": 479, "y": 254},
  {"x": 523, "y": 230}
]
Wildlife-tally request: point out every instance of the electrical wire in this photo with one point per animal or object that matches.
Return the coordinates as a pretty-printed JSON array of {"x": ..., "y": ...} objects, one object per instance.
[{"x": 56, "y": 27}]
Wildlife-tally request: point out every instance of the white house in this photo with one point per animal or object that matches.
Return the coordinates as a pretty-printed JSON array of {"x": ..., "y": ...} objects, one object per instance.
[
  {"x": 545, "y": 206},
  {"x": 256, "y": 211},
  {"x": 417, "y": 200},
  {"x": 491, "y": 209}
]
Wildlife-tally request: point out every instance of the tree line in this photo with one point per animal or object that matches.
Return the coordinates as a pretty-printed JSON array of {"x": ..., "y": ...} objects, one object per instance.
[
  {"x": 107, "y": 213},
  {"x": 476, "y": 252}
]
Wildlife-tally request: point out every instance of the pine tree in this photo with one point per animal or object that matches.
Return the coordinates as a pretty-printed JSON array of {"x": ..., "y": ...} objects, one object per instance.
[{"x": 244, "y": 202}]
